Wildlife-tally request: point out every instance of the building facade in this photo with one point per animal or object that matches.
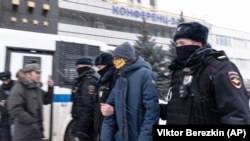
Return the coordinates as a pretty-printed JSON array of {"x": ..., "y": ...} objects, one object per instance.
[{"x": 115, "y": 21}]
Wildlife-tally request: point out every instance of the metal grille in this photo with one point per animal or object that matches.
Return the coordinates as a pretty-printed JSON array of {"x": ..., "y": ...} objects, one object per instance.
[
  {"x": 31, "y": 59},
  {"x": 66, "y": 55}
]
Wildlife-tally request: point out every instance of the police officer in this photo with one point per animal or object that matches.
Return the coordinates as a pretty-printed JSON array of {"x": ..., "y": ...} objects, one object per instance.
[
  {"x": 207, "y": 88},
  {"x": 108, "y": 76},
  {"x": 5, "y": 121},
  {"x": 108, "y": 73},
  {"x": 85, "y": 101}
]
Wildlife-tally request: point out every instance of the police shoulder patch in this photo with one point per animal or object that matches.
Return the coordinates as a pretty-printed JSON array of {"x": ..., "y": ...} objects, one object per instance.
[
  {"x": 235, "y": 79},
  {"x": 91, "y": 89}
]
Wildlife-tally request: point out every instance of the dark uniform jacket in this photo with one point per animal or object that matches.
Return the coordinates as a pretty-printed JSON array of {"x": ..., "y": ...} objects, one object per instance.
[
  {"x": 4, "y": 94},
  {"x": 26, "y": 106},
  {"x": 105, "y": 85},
  {"x": 85, "y": 100},
  {"x": 215, "y": 95}
]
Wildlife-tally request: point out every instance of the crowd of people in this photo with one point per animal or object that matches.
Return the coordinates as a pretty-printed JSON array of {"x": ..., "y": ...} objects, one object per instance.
[{"x": 119, "y": 100}]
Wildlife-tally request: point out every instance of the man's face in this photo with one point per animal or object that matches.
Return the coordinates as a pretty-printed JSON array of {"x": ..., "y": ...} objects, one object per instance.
[
  {"x": 100, "y": 67},
  {"x": 82, "y": 65},
  {"x": 6, "y": 81},
  {"x": 185, "y": 41},
  {"x": 35, "y": 76}
]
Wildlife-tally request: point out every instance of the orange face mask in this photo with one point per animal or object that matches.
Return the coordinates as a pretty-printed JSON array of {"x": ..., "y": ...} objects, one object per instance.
[{"x": 119, "y": 63}]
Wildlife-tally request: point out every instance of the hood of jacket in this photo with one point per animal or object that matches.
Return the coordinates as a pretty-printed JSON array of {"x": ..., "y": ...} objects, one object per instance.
[{"x": 26, "y": 81}]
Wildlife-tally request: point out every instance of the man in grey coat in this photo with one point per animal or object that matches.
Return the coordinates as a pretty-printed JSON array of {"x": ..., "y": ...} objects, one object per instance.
[{"x": 25, "y": 103}]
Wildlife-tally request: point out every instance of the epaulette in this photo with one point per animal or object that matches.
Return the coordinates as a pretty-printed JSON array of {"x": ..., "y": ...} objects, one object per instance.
[{"x": 222, "y": 57}]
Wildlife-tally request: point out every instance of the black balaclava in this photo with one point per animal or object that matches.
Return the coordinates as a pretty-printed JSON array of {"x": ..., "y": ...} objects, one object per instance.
[
  {"x": 8, "y": 86},
  {"x": 104, "y": 70},
  {"x": 184, "y": 52},
  {"x": 82, "y": 69}
]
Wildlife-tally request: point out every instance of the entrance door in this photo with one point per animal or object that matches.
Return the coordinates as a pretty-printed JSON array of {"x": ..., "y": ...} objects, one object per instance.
[{"x": 18, "y": 59}]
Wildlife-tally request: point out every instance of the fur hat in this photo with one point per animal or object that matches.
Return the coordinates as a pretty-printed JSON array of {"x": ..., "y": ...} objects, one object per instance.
[
  {"x": 32, "y": 67},
  {"x": 104, "y": 59},
  {"x": 5, "y": 75},
  {"x": 192, "y": 30},
  {"x": 86, "y": 60},
  {"x": 125, "y": 50}
]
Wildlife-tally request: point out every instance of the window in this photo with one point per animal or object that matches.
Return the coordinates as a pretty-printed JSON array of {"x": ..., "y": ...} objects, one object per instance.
[
  {"x": 66, "y": 55},
  {"x": 130, "y": 1},
  {"x": 241, "y": 63},
  {"x": 99, "y": 25},
  {"x": 31, "y": 59},
  {"x": 239, "y": 43},
  {"x": 223, "y": 40},
  {"x": 152, "y": 3}
]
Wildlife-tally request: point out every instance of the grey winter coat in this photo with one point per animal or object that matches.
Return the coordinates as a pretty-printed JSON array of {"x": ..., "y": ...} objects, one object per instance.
[{"x": 25, "y": 106}]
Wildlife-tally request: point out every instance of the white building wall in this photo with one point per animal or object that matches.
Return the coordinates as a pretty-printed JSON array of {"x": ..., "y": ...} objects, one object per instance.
[
  {"x": 233, "y": 51},
  {"x": 106, "y": 8},
  {"x": 115, "y": 37},
  {"x": 108, "y": 36}
]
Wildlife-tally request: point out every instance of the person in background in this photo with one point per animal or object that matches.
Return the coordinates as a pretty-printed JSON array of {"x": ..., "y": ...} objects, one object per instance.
[
  {"x": 85, "y": 110},
  {"x": 207, "y": 88},
  {"x": 26, "y": 103},
  {"x": 108, "y": 76},
  {"x": 108, "y": 73},
  {"x": 133, "y": 106},
  {"x": 5, "y": 121}
]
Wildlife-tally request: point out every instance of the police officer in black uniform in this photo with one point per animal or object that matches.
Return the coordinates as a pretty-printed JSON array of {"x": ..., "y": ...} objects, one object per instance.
[
  {"x": 85, "y": 101},
  {"x": 108, "y": 77},
  {"x": 5, "y": 120},
  {"x": 108, "y": 73},
  {"x": 206, "y": 87}
]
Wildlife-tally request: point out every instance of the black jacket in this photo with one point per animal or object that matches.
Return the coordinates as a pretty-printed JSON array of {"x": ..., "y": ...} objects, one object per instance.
[
  {"x": 4, "y": 94},
  {"x": 85, "y": 100},
  {"x": 216, "y": 95},
  {"x": 106, "y": 83}
]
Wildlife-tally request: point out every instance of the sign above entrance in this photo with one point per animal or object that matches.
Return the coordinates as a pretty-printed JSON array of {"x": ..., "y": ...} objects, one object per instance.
[{"x": 149, "y": 16}]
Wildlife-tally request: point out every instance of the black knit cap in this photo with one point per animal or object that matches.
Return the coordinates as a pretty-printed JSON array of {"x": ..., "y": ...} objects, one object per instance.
[
  {"x": 192, "y": 30},
  {"x": 104, "y": 58},
  {"x": 86, "y": 60},
  {"x": 125, "y": 50},
  {"x": 5, "y": 75}
]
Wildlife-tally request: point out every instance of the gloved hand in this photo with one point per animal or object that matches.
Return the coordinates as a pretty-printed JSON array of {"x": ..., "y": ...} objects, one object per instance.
[{"x": 38, "y": 128}]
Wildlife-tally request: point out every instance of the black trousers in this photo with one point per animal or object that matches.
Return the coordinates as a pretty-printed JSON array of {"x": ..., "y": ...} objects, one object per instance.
[
  {"x": 88, "y": 135},
  {"x": 5, "y": 134}
]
